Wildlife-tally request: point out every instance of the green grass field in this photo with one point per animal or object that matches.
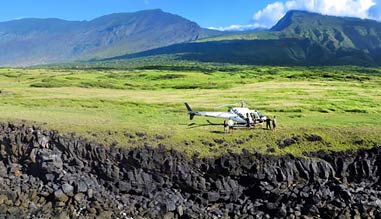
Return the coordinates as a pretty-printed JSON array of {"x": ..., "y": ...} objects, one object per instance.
[{"x": 340, "y": 104}]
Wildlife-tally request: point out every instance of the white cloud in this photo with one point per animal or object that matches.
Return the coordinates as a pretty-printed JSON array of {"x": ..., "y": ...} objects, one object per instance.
[
  {"x": 270, "y": 15},
  {"x": 237, "y": 27},
  {"x": 352, "y": 8}
]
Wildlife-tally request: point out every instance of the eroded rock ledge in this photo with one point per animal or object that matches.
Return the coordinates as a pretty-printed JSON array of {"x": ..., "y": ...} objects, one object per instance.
[{"x": 43, "y": 174}]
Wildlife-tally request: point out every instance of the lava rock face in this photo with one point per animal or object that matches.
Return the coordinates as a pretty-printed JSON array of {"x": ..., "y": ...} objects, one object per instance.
[{"x": 46, "y": 175}]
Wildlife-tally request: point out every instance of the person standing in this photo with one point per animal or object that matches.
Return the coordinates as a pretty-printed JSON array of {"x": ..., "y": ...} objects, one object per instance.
[
  {"x": 274, "y": 123},
  {"x": 230, "y": 124},
  {"x": 247, "y": 121},
  {"x": 226, "y": 127},
  {"x": 253, "y": 119},
  {"x": 268, "y": 123}
]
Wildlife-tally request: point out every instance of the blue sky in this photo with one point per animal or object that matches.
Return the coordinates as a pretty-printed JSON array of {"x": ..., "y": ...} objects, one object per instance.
[
  {"x": 204, "y": 12},
  {"x": 220, "y": 14}
]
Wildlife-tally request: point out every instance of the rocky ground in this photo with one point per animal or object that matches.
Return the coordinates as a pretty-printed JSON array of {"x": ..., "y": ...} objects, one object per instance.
[{"x": 46, "y": 175}]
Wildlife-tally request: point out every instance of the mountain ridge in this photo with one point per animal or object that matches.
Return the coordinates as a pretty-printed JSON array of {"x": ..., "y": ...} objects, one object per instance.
[
  {"x": 331, "y": 31},
  {"x": 39, "y": 41},
  {"x": 301, "y": 37}
]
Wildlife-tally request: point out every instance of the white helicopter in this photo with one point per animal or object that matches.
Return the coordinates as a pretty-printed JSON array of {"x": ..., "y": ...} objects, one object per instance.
[{"x": 238, "y": 114}]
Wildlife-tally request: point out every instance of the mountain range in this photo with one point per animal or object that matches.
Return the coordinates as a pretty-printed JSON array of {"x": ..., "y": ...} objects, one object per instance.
[
  {"x": 299, "y": 38},
  {"x": 43, "y": 41}
]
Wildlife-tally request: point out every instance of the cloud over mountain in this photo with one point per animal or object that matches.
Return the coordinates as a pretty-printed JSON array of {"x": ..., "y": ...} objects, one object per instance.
[
  {"x": 272, "y": 13},
  {"x": 237, "y": 27},
  {"x": 351, "y": 8}
]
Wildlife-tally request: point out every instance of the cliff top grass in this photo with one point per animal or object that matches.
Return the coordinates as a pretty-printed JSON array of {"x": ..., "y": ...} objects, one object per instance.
[{"x": 133, "y": 107}]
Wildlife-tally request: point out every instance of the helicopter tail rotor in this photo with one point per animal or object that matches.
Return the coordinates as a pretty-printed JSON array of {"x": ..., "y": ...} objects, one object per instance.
[{"x": 190, "y": 112}]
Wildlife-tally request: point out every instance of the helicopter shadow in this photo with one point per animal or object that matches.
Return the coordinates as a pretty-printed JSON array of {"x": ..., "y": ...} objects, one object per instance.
[
  {"x": 194, "y": 125},
  {"x": 217, "y": 132}
]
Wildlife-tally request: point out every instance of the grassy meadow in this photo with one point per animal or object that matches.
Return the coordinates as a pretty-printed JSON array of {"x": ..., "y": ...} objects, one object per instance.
[{"x": 133, "y": 107}]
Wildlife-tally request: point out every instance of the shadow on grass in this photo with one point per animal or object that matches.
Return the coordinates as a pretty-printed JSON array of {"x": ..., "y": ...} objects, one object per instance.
[
  {"x": 217, "y": 132},
  {"x": 194, "y": 125},
  {"x": 197, "y": 126}
]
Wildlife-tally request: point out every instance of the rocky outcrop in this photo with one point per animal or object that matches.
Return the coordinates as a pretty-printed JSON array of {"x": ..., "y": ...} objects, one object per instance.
[{"x": 43, "y": 174}]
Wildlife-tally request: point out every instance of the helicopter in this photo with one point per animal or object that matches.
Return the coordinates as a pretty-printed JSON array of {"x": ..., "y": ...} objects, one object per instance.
[{"x": 237, "y": 114}]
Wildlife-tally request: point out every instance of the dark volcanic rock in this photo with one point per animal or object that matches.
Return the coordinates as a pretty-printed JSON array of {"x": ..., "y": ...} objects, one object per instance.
[
  {"x": 314, "y": 138},
  {"x": 288, "y": 141},
  {"x": 45, "y": 175}
]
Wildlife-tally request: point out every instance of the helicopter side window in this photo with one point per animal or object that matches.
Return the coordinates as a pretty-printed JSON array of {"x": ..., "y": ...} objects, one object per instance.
[
  {"x": 255, "y": 116},
  {"x": 260, "y": 114}
]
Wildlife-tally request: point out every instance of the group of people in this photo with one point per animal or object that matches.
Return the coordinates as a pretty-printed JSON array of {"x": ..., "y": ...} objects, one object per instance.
[
  {"x": 268, "y": 123},
  {"x": 229, "y": 125}
]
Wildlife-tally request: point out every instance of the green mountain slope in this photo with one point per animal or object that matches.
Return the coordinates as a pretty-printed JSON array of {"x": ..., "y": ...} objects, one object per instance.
[
  {"x": 264, "y": 52},
  {"x": 286, "y": 52},
  {"x": 332, "y": 32},
  {"x": 299, "y": 38},
  {"x": 40, "y": 41}
]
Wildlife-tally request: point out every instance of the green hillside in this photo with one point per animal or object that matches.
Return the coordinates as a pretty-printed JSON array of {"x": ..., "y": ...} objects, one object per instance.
[
  {"x": 335, "y": 33},
  {"x": 41, "y": 41},
  {"x": 260, "y": 52},
  {"x": 299, "y": 38}
]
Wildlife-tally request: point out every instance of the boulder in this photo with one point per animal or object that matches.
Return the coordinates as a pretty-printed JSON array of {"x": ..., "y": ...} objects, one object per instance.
[
  {"x": 60, "y": 196},
  {"x": 81, "y": 186},
  {"x": 68, "y": 189}
]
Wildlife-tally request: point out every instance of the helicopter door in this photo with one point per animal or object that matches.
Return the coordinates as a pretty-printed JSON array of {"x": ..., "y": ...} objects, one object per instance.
[
  {"x": 252, "y": 117},
  {"x": 256, "y": 116}
]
